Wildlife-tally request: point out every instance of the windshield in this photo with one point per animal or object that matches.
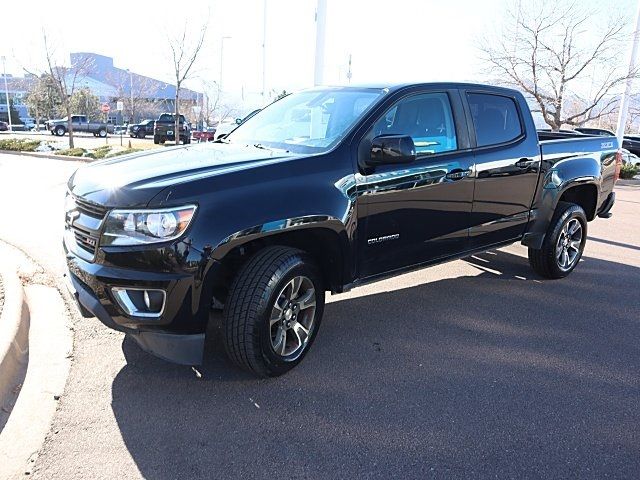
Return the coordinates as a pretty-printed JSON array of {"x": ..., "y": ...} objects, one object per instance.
[{"x": 311, "y": 121}]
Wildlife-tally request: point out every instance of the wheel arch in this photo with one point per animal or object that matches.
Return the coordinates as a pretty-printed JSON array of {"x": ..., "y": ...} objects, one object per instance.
[
  {"x": 325, "y": 240},
  {"x": 575, "y": 180}
]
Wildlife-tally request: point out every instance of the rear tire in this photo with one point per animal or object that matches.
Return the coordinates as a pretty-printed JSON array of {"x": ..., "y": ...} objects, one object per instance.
[
  {"x": 273, "y": 311},
  {"x": 563, "y": 244},
  {"x": 102, "y": 133}
]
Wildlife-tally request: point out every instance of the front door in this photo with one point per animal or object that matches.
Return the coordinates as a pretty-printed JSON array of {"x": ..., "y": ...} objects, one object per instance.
[{"x": 415, "y": 213}]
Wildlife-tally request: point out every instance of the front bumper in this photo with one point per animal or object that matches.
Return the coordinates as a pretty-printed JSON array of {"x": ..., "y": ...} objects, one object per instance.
[
  {"x": 177, "y": 335},
  {"x": 186, "y": 349}
]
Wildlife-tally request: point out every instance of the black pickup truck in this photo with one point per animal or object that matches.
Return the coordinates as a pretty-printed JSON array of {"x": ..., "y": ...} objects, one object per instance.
[
  {"x": 322, "y": 191},
  {"x": 164, "y": 127}
]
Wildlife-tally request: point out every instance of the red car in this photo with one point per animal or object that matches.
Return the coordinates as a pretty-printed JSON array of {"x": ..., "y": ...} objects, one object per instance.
[
  {"x": 4, "y": 126},
  {"x": 206, "y": 135}
]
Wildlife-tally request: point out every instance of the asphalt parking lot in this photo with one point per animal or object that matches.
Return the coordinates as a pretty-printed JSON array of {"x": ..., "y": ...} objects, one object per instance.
[{"x": 476, "y": 369}]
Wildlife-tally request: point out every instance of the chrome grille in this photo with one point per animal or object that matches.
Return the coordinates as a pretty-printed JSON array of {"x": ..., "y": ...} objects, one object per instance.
[
  {"x": 85, "y": 225},
  {"x": 89, "y": 208}
]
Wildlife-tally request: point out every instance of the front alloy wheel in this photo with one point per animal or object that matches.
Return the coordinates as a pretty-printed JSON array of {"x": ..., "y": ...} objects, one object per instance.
[
  {"x": 273, "y": 311},
  {"x": 292, "y": 317}
]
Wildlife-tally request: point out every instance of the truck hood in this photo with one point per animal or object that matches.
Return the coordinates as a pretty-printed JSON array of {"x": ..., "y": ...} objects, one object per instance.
[{"x": 133, "y": 180}]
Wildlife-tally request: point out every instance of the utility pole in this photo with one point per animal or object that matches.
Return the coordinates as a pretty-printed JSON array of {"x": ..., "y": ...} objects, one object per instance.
[
  {"x": 349, "y": 70},
  {"x": 624, "y": 102},
  {"x": 6, "y": 91},
  {"x": 321, "y": 18},
  {"x": 264, "y": 49}
]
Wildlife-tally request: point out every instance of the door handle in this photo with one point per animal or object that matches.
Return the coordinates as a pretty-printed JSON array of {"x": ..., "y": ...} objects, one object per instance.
[
  {"x": 457, "y": 174},
  {"x": 524, "y": 163}
]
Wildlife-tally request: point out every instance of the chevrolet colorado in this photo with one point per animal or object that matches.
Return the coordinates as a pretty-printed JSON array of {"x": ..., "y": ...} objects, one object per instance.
[{"x": 324, "y": 190}]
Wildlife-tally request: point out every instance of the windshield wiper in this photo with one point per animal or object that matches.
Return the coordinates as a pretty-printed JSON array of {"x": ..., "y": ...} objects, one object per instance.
[
  {"x": 222, "y": 140},
  {"x": 264, "y": 147}
]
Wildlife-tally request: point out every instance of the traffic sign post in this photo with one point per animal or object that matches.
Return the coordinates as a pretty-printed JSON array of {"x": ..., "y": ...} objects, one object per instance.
[
  {"x": 120, "y": 107},
  {"x": 106, "y": 109}
]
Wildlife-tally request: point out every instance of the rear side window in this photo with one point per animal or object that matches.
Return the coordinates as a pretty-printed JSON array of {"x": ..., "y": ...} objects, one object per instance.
[{"x": 495, "y": 118}]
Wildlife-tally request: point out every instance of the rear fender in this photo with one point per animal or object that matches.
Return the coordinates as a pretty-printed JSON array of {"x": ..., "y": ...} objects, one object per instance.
[{"x": 564, "y": 175}]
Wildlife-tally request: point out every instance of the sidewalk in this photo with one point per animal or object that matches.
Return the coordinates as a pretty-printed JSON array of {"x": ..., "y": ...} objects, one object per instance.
[{"x": 36, "y": 365}]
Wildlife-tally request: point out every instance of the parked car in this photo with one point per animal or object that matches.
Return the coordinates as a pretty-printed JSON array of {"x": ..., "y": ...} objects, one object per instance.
[
  {"x": 206, "y": 135},
  {"x": 4, "y": 126},
  {"x": 142, "y": 129},
  {"x": 630, "y": 158},
  {"x": 629, "y": 142},
  {"x": 228, "y": 125},
  {"x": 367, "y": 184},
  {"x": 595, "y": 131},
  {"x": 80, "y": 123},
  {"x": 164, "y": 129}
]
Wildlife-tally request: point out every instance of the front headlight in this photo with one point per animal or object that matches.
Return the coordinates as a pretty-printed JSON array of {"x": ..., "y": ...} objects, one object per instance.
[{"x": 139, "y": 227}]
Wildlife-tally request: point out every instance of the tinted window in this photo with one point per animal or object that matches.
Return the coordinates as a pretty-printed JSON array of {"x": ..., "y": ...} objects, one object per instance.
[
  {"x": 426, "y": 118},
  {"x": 495, "y": 118}
]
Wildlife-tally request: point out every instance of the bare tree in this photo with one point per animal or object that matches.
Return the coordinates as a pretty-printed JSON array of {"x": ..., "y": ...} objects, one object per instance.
[
  {"x": 184, "y": 54},
  {"x": 135, "y": 91},
  {"x": 65, "y": 80},
  {"x": 557, "y": 52}
]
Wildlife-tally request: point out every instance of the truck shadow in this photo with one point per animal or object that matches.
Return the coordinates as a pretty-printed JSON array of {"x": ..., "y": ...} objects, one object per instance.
[{"x": 496, "y": 373}]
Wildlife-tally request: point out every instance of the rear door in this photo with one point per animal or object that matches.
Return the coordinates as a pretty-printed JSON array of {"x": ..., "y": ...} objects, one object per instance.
[{"x": 507, "y": 159}]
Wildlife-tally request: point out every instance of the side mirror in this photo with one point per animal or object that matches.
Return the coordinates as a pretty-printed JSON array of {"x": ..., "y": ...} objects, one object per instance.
[
  {"x": 391, "y": 150},
  {"x": 238, "y": 121}
]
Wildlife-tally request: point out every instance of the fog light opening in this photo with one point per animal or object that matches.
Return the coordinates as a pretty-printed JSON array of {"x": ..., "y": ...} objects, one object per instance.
[
  {"x": 140, "y": 302},
  {"x": 153, "y": 300}
]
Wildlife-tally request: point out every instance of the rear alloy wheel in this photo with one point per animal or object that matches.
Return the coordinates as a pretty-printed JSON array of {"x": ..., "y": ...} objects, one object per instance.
[
  {"x": 273, "y": 311},
  {"x": 563, "y": 244},
  {"x": 102, "y": 133}
]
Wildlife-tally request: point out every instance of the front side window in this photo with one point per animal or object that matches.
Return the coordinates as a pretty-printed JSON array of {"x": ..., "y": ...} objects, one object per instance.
[
  {"x": 495, "y": 118},
  {"x": 426, "y": 118},
  {"x": 311, "y": 121}
]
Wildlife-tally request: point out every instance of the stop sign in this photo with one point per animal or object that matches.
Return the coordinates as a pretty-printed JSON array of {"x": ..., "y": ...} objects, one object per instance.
[{"x": 105, "y": 108}]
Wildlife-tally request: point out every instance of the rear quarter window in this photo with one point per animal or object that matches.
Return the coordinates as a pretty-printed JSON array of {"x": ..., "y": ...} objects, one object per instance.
[{"x": 495, "y": 118}]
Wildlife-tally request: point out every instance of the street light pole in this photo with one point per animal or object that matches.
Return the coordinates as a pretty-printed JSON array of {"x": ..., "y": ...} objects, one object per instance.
[
  {"x": 321, "y": 17},
  {"x": 264, "y": 48},
  {"x": 624, "y": 101},
  {"x": 222, "y": 39},
  {"x": 131, "y": 120},
  {"x": 6, "y": 90}
]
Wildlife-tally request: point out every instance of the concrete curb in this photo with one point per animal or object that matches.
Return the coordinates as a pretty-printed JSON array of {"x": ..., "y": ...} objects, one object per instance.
[
  {"x": 37, "y": 363},
  {"x": 14, "y": 341},
  {"x": 49, "y": 155}
]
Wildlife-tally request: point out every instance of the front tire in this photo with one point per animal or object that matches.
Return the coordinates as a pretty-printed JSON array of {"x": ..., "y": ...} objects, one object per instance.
[
  {"x": 563, "y": 244},
  {"x": 273, "y": 311},
  {"x": 102, "y": 133},
  {"x": 60, "y": 131}
]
